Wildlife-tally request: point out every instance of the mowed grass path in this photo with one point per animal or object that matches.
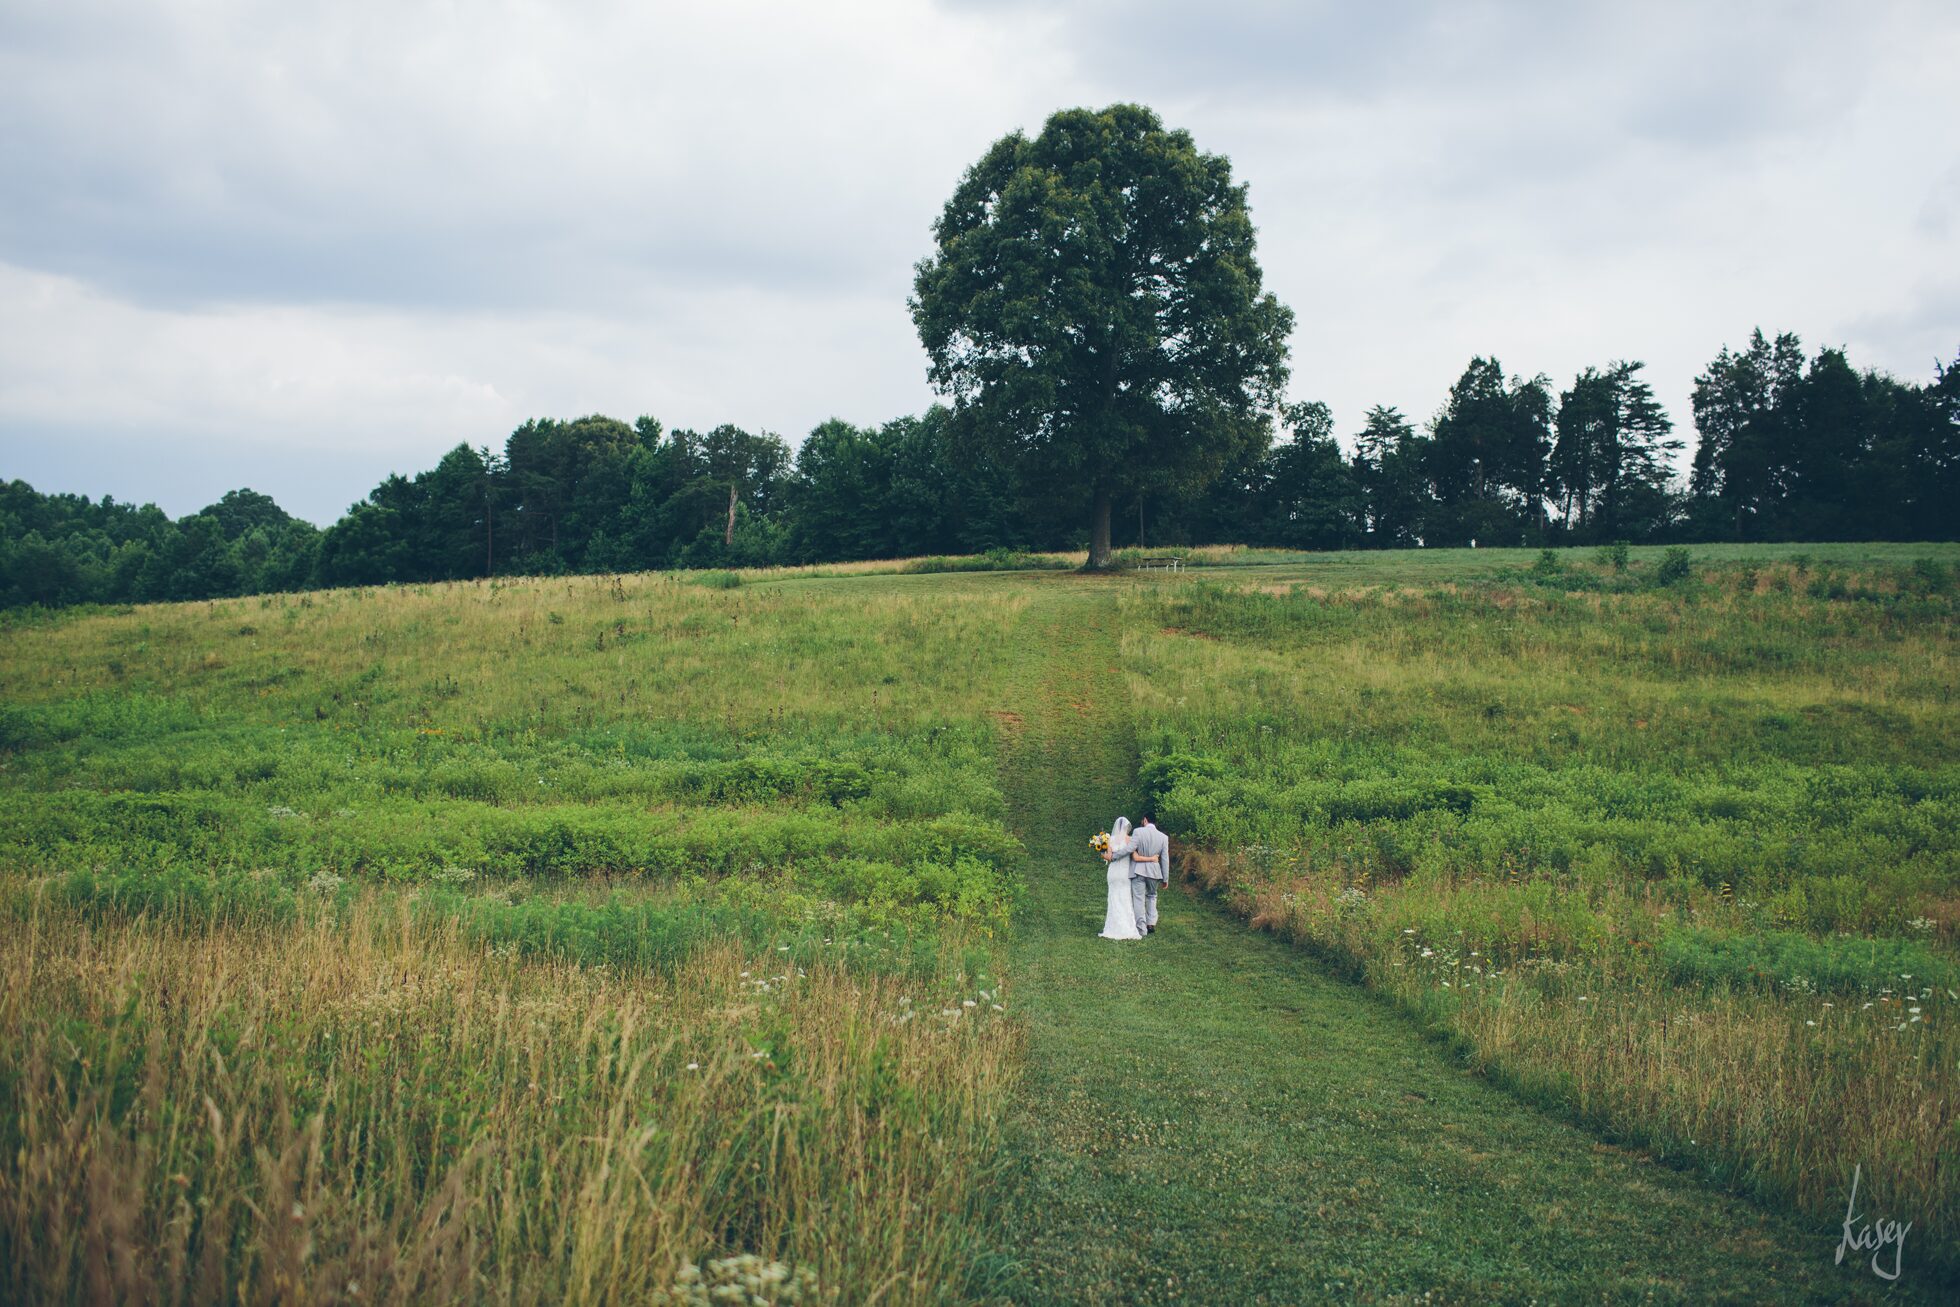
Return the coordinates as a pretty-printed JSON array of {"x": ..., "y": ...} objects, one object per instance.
[{"x": 1207, "y": 1117}]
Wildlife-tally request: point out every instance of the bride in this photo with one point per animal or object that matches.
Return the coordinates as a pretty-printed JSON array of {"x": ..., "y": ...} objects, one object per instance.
[{"x": 1119, "y": 918}]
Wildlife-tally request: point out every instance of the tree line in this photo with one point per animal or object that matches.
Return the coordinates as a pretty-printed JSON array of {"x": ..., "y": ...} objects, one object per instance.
[{"x": 1790, "y": 447}]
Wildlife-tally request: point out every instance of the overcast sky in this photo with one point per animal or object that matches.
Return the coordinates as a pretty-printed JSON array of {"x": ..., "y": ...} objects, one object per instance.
[{"x": 299, "y": 245}]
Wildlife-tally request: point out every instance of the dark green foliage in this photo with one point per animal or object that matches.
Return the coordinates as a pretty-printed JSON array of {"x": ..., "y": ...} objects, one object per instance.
[
  {"x": 1487, "y": 461},
  {"x": 1831, "y": 964},
  {"x": 1615, "y": 555},
  {"x": 1676, "y": 566},
  {"x": 994, "y": 560},
  {"x": 65, "y": 549},
  {"x": 899, "y": 491},
  {"x": 1094, "y": 310},
  {"x": 1611, "y": 463},
  {"x": 1823, "y": 452},
  {"x": 179, "y": 894},
  {"x": 1785, "y": 453}
]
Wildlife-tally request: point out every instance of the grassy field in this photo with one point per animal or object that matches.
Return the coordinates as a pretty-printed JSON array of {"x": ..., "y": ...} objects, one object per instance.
[
  {"x": 529, "y": 941},
  {"x": 1682, "y": 859},
  {"x": 622, "y": 939}
]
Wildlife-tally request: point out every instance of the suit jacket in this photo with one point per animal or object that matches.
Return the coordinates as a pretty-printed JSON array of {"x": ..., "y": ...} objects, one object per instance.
[{"x": 1151, "y": 840}]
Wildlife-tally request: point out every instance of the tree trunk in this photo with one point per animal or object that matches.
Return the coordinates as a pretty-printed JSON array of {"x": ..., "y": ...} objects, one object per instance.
[
  {"x": 1099, "y": 553},
  {"x": 728, "y": 538}
]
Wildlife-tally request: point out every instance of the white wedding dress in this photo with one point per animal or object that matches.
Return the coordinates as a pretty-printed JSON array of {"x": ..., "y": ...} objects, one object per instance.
[{"x": 1119, "y": 918}]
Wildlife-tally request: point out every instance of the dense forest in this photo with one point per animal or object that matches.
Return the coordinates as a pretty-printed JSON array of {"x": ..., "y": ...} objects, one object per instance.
[{"x": 1787, "y": 448}]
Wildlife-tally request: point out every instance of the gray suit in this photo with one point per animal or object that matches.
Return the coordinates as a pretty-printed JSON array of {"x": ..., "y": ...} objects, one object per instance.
[{"x": 1146, "y": 877}]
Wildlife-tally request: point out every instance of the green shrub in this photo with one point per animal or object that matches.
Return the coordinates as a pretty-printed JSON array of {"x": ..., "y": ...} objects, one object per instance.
[
  {"x": 1614, "y": 555},
  {"x": 1676, "y": 566},
  {"x": 994, "y": 560}
]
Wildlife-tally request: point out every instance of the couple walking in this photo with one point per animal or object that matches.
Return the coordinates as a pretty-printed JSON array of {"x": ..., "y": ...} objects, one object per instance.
[{"x": 1138, "y": 865}]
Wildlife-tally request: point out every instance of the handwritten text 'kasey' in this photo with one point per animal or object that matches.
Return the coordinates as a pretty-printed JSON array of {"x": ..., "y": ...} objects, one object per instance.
[{"x": 1873, "y": 1236}]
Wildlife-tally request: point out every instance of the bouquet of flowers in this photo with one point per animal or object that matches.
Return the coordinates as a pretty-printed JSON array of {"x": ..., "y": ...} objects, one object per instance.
[{"x": 1099, "y": 842}]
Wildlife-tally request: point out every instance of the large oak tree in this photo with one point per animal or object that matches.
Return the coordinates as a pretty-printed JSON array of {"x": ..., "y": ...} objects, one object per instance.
[{"x": 1095, "y": 313}]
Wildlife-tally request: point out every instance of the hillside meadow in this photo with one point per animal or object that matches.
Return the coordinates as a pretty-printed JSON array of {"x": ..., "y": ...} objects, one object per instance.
[
  {"x": 546, "y": 941},
  {"x": 650, "y": 937},
  {"x": 1674, "y": 849}
]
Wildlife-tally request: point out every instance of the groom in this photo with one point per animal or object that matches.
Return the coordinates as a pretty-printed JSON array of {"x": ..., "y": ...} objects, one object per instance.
[{"x": 1150, "y": 864}]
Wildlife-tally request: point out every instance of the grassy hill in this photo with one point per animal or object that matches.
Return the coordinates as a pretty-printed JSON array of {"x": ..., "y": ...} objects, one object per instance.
[{"x": 608, "y": 938}]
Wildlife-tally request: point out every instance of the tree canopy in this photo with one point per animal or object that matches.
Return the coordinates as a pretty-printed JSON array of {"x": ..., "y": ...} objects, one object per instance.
[
  {"x": 1789, "y": 449},
  {"x": 1095, "y": 312}
]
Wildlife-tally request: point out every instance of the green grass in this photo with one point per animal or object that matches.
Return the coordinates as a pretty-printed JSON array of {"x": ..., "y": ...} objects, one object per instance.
[
  {"x": 1714, "y": 809},
  {"x": 1209, "y": 1116},
  {"x": 1680, "y": 859}
]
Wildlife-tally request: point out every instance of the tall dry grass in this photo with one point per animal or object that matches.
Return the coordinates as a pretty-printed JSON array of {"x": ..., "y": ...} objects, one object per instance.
[
  {"x": 376, "y": 1111},
  {"x": 1780, "y": 1092}
]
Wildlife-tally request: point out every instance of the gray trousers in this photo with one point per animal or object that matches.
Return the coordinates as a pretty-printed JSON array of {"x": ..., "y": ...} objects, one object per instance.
[{"x": 1143, "y": 900}]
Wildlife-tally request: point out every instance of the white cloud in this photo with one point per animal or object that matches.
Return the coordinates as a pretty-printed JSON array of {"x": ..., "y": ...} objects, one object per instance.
[{"x": 299, "y": 246}]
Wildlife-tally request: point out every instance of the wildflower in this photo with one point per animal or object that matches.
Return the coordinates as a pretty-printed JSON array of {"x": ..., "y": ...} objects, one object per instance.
[
  {"x": 1409, "y": 931},
  {"x": 999, "y": 1008},
  {"x": 694, "y": 1066},
  {"x": 1913, "y": 1010},
  {"x": 1446, "y": 984},
  {"x": 759, "y": 1056},
  {"x": 1585, "y": 998},
  {"x": 1429, "y": 953},
  {"x": 1830, "y": 1005},
  {"x": 967, "y": 1002},
  {"x": 1810, "y": 1023}
]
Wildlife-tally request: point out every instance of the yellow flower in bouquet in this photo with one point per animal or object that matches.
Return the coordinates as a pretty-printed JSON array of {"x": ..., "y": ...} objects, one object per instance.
[{"x": 1099, "y": 842}]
